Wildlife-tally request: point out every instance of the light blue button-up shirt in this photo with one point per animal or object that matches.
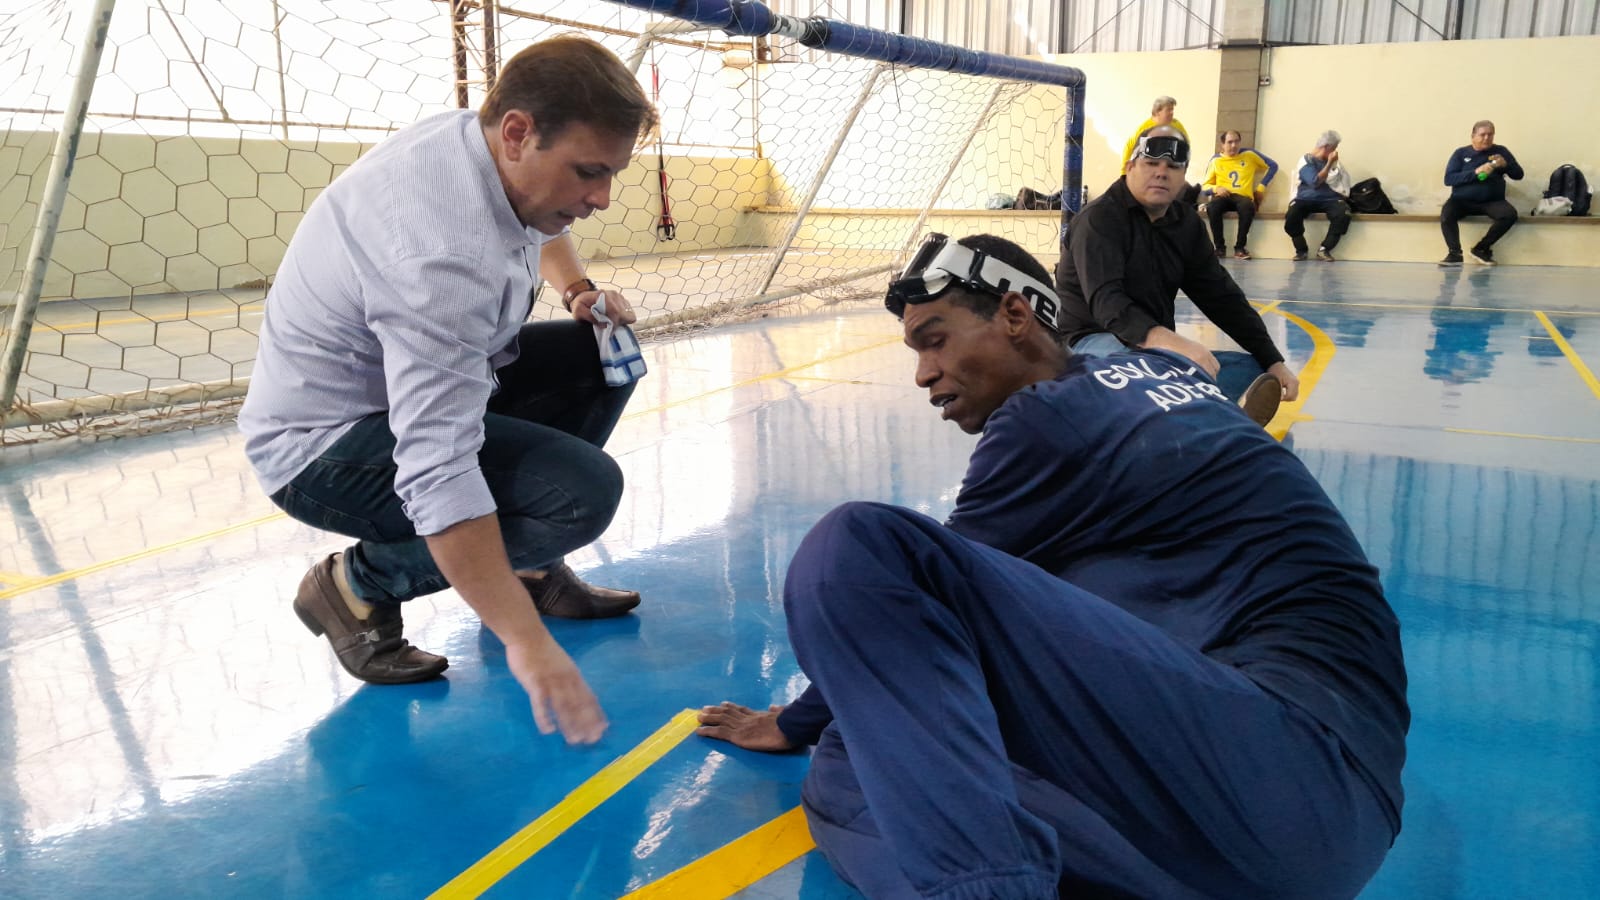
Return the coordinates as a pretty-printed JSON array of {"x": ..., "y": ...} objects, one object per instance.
[{"x": 402, "y": 291}]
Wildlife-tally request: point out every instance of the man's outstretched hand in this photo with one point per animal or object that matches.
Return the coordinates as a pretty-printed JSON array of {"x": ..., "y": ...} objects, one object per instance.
[{"x": 744, "y": 727}]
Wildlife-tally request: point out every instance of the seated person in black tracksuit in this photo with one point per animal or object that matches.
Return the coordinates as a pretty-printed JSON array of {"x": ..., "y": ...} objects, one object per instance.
[
  {"x": 1322, "y": 187},
  {"x": 1477, "y": 176}
]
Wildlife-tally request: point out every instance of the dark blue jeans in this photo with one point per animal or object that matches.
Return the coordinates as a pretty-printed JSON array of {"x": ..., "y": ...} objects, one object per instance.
[
  {"x": 998, "y": 731},
  {"x": 555, "y": 490}
]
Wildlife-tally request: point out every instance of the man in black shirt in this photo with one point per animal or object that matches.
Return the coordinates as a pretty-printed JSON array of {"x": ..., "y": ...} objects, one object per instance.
[{"x": 1127, "y": 254}]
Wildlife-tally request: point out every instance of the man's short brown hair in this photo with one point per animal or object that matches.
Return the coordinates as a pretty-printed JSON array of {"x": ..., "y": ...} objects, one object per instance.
[{"x": 569, "y": 79}]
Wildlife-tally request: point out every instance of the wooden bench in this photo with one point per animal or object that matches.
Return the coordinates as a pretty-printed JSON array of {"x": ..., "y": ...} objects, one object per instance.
[
  {"x": 1522, "y": 218},
  {"x": 1055, "y": 214},
  {"x": 1406, "y": 237}
]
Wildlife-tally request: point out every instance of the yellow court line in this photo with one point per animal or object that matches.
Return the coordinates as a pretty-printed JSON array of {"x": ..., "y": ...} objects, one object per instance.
[
  {"x": 15, "y": 578},
  {"x": 1529, "y": 437},
  {"x": 736, "y": 865},
  {"x": 69, "y": 575},
  {"x": 164, "y": 317},
  {"x": 1430, "y": 306},
  {"x": 1322, "y": 352},
  {"x": 516, "y": 850},
  {"x": 28, "y": 584},
  {"x": 1571, "y": 354}
]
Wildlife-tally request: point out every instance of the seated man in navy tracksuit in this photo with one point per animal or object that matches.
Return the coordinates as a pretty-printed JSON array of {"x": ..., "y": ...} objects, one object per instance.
[
  {"x": 1145, "y": 657},
  {"x": 1477, "y": 176}
]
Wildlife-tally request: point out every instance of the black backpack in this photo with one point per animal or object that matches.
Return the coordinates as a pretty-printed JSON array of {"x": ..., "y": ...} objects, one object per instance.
[
  {"x": 1367, "y": 196},
  {"x": 1568, "y": 181}
]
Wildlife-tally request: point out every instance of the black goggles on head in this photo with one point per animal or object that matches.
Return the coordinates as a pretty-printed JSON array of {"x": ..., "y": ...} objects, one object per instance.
[
  {"x": 1163, "y": 146},
  {"x": 941, "y": 264}
]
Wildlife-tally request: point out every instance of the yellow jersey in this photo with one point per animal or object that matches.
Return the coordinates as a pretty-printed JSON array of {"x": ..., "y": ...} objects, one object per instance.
[{"x": 1246, "y": 172}]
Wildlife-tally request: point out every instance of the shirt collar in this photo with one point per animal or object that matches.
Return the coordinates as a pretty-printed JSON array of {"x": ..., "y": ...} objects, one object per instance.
[{"x": 509, "y": 227}]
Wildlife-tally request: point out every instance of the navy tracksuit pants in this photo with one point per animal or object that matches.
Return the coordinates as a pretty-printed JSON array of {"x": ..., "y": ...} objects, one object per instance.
[{"x": 999, "y": 733}]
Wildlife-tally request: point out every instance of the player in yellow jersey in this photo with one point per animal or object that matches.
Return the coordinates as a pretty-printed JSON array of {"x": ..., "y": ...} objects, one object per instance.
[{"x": 1236, "y": 181}]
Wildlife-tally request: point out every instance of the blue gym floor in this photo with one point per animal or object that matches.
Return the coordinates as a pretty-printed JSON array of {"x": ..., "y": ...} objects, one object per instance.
[{"x": 169, "y": 729}]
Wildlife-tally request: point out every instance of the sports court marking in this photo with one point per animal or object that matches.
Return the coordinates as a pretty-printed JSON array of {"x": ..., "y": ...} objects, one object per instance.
[
  {"x": 1527, "y": 437},
  {"x": 1287, "y": 415},
  {"x": 516, "y": 850},
  {"x": 1322, "y": 352},
  {"x": 33, "y": 584},
  {"x": 162, "y": 317},
  {"x": 24, "y": 583},
  {"x": 736, "y": 865},
  {"x": 1571, "y": 354},
  {"x": 1433, "y": 306}
]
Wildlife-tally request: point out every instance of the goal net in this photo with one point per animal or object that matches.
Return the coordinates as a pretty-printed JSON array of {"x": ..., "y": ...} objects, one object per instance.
[{"x": 783, "y": 175}]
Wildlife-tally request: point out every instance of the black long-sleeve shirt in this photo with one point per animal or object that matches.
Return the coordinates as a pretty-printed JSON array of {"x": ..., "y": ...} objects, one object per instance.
[
  {"x": 1122, "y": 272},
  {"x": 1461, "y": 174}
]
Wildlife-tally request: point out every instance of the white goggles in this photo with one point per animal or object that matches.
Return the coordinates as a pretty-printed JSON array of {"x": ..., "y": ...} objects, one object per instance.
[{"x": 941, "y": 264}]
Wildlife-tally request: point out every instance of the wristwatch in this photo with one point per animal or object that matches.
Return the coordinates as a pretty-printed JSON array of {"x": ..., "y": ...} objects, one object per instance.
[{"x": 581, "y": 286}]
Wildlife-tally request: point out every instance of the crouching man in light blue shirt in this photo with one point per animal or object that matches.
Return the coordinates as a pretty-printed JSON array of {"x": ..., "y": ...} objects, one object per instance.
[{"x": 401, "y": 398}]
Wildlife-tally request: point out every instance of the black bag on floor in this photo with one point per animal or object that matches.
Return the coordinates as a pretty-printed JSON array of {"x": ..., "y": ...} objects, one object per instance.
[
  {"x": 1028, "y": 198},
  {"x": 1367, "y": 196}
]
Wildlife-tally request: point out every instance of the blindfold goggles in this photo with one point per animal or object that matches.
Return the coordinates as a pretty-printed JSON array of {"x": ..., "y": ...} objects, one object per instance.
[
  {"x": 1163, "y": 146},
  {"x": 941, "y": 264}
]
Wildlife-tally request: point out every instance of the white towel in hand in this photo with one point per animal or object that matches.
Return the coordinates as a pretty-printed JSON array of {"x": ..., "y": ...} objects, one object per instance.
[{"x": 620, "y": 359}]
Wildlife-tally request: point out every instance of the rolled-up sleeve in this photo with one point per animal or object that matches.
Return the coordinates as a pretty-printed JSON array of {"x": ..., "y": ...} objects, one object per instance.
[{"x": 431, "y": 317}]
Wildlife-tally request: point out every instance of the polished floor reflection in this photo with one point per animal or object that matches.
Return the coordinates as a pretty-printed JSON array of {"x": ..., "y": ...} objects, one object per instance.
[{"x": 168, "y": 728}]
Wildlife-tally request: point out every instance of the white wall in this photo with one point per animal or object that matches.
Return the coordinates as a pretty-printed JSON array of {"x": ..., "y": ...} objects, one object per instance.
[{"x": 1402, "y": 108}]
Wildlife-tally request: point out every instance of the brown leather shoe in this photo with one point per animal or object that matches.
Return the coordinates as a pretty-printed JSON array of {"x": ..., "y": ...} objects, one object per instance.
[
  {"x": 561, "y": 593},
  {"x": 1261, "y": 399},
  {"x": 371, "y": 649}
]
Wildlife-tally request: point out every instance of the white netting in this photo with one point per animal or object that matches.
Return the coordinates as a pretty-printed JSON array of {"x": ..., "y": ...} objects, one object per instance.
[{"x": 214, "y": 123}]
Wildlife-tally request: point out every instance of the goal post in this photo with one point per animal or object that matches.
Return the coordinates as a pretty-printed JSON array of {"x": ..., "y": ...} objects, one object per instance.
[
  {"x": 798, "y": 159},
  {"x": 939, "y": 125},
  {"x": 750, "y": 18}
]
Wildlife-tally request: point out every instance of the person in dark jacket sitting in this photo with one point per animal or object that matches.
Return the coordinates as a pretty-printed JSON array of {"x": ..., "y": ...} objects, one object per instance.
[
  {"x": 1477, "y": 176},
  {"x": 1128, "y": 254},
  {"x": 1323, "y": 187}
]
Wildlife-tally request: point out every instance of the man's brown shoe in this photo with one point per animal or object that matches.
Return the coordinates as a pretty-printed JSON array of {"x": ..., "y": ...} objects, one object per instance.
[
  {"x": 371, "y": 649},
  {"x": 1261, "y": 399},
  {"x": 561, "y": 593}
]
